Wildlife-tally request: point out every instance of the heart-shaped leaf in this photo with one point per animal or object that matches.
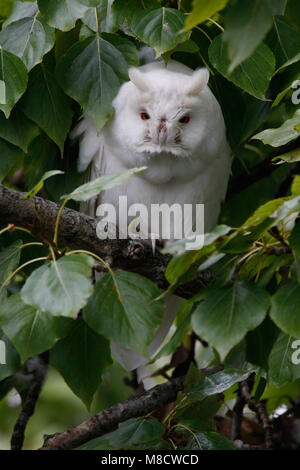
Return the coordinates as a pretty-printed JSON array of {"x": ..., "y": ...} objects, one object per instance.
[
  {"x": 160, "y": 29},
  {"x": 253, "y": 75},
  {"x": 47, "y": 105},
  {"x": 29, "y": 329},
  {"x": 81, "y": 358},
  {"x": 27, "y": 39},
  {"x": 285, "y": 310},
  {"x": 92, "y": 71},
  {"x": 227, "y": 314},
  {"x": 124, "y": 309},
  {"x": 61, "y": 288},
  {"x": 136, "y": 433}
]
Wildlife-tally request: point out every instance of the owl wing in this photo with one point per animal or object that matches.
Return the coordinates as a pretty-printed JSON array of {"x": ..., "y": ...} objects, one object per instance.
[{"x": 91, "y": 157}]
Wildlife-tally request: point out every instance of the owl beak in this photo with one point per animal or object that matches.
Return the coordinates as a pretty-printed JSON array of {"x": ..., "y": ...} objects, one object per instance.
[{"x": 162, "y": 132}]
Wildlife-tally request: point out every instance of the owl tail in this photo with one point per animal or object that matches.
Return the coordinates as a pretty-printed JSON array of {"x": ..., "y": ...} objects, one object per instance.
[{"x": 132, "y": 360}]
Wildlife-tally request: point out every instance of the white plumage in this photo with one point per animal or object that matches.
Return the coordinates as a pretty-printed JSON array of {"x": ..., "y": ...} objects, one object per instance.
[{"x": 166, "y": 118}]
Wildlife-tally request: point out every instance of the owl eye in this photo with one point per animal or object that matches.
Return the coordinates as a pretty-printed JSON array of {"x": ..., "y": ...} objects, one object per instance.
[
  {"x": 184, "y": 119},
  {"x": 145, "y": 116}
]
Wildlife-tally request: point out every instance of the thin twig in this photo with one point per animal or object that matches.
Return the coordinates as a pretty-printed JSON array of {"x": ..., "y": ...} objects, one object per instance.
[
  {"x": 37, "y": 367},
  {"x": 259, "y": 408}
]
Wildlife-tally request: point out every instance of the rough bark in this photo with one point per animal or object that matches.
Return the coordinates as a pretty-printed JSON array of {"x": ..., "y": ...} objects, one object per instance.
[
  {"x": 108, "y": 420},
  {"x": 77, "y": 230}
]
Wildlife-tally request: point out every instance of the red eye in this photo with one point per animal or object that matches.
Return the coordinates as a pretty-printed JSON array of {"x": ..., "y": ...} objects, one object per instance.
[
  {"x": 184, "y": 119},
  {"x": 145, "y": 116}
]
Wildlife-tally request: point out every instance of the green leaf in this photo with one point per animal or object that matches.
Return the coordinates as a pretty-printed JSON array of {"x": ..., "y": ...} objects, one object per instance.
[
  {"x": 18, "y": 130},
  {"x": 284, "y": 42},
  {"x": 227, "y": 314},
  {"x": 137, "y": 431},
  {"x": 202, "y": 10},
  {"x": 47, "y": 105},
  {"x": 295, "y": 189},
  {"x": 179, "y": 247},
  {"x": 183, "y": 325},
  {"x": 216, "y": 383},
  {"x": 81, "y": 358},
  {"x": 100, "y": 18},
  {"x": 263, "y": 212},
  {"x": 92, "y": 71},
  {"x": 285, "y": 309},
  {"x": 21, "y": 10},
  {"x": 288, "y": 211},
  {"x": 61, "y": 288},
  {"x": 30, "y": 330},
  {"x": 14, "y": 74},
  {"x": 253, "y": 75},
  {"x": 124, "y": 309},
  {"x": 27, "y": 39},
  {"x": 11, "y": 356},
  {"x": 284, "y": 360},
  {"x": 209, "y": 440},
  {"x": 91, "y": 189},
  {"x": 42, "y": 155},
  {"x": 289, "y": 80},
  {"x": 62, "y": 14},
  {"x": 294, "y": 240},
  {"x": 260, "y": 341},
  {"x": 10, "y": 154},
  {"x": 290, "y": 157},
  {"x": 9, "y": 260},
  {"x": 181, "y": 263},
  {"x": 246, "y": 24},
  {"x": 124, "y": 10},
  {"x": 40, "y": 184},
  {"x": 281, "y": 135},
  {"x": 134, "y": 433},
  {"x": 197, "y": 415},
  {"x": 160, "y": 29}
]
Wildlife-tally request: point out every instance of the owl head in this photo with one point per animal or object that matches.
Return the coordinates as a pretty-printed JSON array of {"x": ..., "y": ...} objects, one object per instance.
[{"x": 163, "y": 111}]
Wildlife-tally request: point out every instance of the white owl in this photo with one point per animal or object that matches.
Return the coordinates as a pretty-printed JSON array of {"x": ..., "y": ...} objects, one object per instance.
[{"x": 167, "y": 119}]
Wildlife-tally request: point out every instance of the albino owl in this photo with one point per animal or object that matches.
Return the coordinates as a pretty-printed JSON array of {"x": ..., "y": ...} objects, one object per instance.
[{"x": 167, "y": 119}]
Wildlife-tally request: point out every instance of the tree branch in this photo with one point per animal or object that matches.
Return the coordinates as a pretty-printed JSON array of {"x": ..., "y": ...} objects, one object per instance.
[
  {"x": 245, "y": 397},
  {"x": 108, "y": 420},
  {"x": 77, "y": 230},
  {"x": 37, "y": 367}
]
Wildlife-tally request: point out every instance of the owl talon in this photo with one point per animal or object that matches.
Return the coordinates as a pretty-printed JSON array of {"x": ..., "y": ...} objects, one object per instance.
[{"x": 135, "y": 250}]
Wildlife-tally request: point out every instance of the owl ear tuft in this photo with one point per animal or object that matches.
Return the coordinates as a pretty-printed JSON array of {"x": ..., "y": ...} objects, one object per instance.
[
  {"x": 138, "y": 79},
  {"x": 198, "y": 81}
]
